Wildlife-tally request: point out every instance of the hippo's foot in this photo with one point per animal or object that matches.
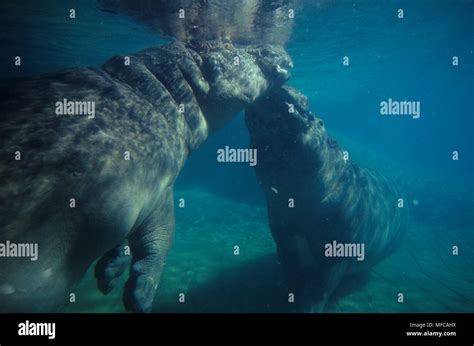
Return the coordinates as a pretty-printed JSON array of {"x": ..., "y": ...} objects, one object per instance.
[
  {"x": 149, "y": 244},
  {"x": 318, "y": 306},
  {"x": 330, "y": 282},
  {"x": 110, "y": 267}
]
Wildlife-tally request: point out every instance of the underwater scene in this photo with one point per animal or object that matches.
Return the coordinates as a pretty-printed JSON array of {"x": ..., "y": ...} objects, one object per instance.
[{"x": 322, "y": 160}]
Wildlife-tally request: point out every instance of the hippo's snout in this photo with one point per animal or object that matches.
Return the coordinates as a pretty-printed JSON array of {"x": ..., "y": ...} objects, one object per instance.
[{"x": 273, "y": 61}]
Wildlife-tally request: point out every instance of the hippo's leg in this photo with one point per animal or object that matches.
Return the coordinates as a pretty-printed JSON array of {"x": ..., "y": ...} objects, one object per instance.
[
  {"x": 292, "y": 265},
  {"x": 288, "y": 258},
  {"x": 149, "y": 244},
  {"x": 110, "y": 267},
  {"x": 331, "y": 281}
]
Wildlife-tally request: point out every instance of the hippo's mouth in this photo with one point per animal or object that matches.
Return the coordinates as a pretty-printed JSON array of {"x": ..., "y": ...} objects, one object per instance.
[
  {"x": 274, "y": 62},
  {"x": 283, "y": 71}
]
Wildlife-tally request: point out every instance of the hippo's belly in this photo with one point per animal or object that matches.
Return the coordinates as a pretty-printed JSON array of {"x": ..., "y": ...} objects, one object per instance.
[{"x": 67, "y": 239}]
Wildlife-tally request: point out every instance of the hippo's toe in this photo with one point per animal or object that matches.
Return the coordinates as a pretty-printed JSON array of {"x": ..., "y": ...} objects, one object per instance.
[
  {"x": 110, "y": 267},
  {"x": 139, "y": 293}
]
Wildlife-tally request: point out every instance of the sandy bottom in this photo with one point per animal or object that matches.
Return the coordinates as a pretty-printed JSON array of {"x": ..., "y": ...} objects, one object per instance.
[{"x": 202, "y": 265}]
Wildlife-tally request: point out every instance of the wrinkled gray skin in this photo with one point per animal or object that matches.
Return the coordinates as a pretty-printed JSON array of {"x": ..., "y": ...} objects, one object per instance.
[
  {"x": 117, "y": 201},
  {"x": 334, "y": 199}
]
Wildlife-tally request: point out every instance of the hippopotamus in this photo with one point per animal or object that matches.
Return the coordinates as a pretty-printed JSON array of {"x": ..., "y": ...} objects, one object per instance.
[
  {"x": 330, "y": 218},
  {"x": 89, "y": 158}
]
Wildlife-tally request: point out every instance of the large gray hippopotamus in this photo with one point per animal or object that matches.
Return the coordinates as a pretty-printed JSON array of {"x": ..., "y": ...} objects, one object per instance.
[
  {"x": 328, "y": 217},
  {"x": 89, "y": 158}
]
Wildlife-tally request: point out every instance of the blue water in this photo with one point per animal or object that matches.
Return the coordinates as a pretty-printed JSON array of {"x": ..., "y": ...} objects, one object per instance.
[{"x": 402, "y": 59}]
